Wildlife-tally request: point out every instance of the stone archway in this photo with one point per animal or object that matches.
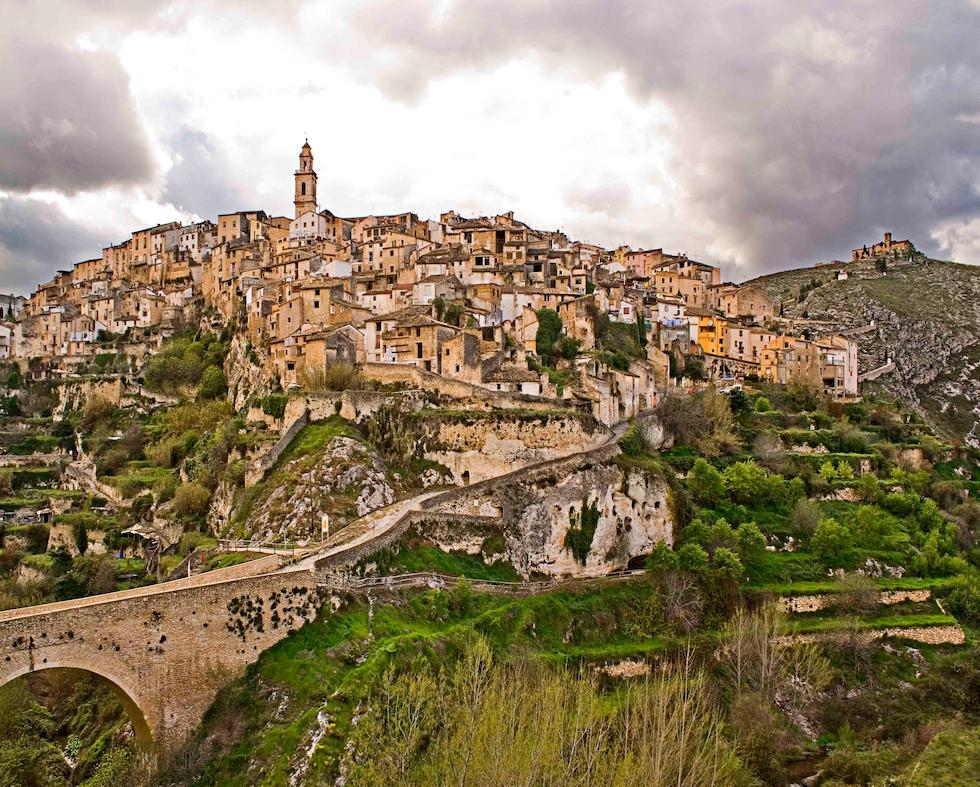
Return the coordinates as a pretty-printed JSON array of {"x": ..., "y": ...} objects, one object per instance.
[{"x": 130, "y": 701}]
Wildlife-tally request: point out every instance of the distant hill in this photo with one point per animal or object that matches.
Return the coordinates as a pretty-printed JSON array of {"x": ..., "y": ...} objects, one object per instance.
[{"x": 926, "y": 317}]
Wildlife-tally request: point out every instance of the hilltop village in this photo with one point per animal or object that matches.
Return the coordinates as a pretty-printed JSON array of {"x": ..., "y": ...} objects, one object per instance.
[{"x": 461, "y": 298}]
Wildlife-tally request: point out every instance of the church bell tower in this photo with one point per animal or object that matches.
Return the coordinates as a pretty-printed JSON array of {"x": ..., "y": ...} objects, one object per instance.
[{"x": 305, "y": 199}]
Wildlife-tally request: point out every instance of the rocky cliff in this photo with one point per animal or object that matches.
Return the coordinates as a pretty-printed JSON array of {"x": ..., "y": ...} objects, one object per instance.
[
  {"x": 587, "y": 520},
  {"x": 923, "y": 315}
]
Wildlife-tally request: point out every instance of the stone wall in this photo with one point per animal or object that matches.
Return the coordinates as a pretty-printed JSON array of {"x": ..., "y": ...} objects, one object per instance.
[
  {"x": 167, "y": 649},
  {"x": 481, "y": 446},
  {"x": 464, "y": 395},
  {"x": 538, "y": 507},
  {"x": 75, "y": 392},
  {"x": 350, "y": 405},
  {"x": 816, "y": 602},
  {"x": 257, "y": 467}
]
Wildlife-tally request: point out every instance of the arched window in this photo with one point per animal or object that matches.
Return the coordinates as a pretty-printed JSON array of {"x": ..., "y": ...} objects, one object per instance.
[{"x": 302, "y": 189}]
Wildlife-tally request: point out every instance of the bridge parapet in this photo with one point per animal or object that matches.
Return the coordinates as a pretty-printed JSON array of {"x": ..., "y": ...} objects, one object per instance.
[{"x": 167, "y": 652}]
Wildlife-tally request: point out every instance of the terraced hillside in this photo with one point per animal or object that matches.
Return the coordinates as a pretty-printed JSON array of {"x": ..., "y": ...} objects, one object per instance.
[{"x": 926, "y": 319}]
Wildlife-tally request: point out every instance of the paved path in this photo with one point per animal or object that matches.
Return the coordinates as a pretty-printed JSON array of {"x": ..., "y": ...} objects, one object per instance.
[{"x": 357, "y": 533}]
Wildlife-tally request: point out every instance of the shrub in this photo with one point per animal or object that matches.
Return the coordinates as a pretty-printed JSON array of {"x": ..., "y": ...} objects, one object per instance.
[
  {"x": 706, "y": 484},
  {"x": 805, "y": 516},
  {"x": 632, "y": 442},
  {"x": 661, "y": 558},
  {"x": 191, "y": 501},
  {"x": 578, "y": 538},
  {"x": 831, "y": 542},
  {"x": 275, "y": 405},
  {"x": 96, "y": 409},
  {"x": 964, "y": 597},
  {"x": 337, "y": 376},
  {"x": 213, "y": 384},
  {"x": 762, "y": 405}
]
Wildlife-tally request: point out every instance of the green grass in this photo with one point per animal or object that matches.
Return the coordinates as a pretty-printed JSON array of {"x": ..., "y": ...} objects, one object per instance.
[
  {"x": 829, "y": 586},
  {"x": 952, "y": 758},
  {"x": 458, "y": 564},
  {"x": 806, "y": 625},
  {"x": 332, "y": 663},
  {"x": 42, "y": 562}
]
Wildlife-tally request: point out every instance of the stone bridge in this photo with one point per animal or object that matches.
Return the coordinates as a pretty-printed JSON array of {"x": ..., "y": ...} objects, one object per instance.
[{"x": 166, "y": 649}]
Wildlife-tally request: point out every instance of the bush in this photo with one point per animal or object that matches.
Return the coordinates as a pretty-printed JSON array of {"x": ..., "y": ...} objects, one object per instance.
[
  {"x": 706, "y": 484},
  {"x": 213, "y": 384},
  {"x": 805, "y": 516},
  {"x": 632, "y": 442},
  {"x": 191, "y": 501},
  {"x": 964, "y": 598},
  {"x": 337, "y": 376},
  {"x": 275, "y": 405},
  {"x": 832, "y": 542},
  {"x": 96, "y": 409},
  {"x": 762, "y": 405}
]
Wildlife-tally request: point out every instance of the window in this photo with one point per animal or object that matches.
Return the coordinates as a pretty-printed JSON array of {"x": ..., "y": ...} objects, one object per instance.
[
  {"x": 316, "y": 304},
  {"x": 418, "y": 331},
  {"x": 418, "y": 349},
  {"x": 302, "y": 190}
]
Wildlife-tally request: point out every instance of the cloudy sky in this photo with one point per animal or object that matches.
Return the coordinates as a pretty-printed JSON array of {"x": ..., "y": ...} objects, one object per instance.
[{"x": 758, "y": 135}]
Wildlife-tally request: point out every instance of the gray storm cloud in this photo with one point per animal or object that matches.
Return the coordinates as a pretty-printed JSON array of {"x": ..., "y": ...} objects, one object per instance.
[
  {"x": 36, "y": 238},
  {"x": 67, "y": 120},
  {"x": 801, "y": 128}
]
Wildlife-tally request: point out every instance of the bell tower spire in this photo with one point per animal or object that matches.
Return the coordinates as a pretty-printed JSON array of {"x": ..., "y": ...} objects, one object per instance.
[{"x": 305, "y": 197}]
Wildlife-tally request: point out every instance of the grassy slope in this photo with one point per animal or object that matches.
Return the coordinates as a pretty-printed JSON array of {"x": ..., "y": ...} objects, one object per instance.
[{"x": 261, "y": 721}]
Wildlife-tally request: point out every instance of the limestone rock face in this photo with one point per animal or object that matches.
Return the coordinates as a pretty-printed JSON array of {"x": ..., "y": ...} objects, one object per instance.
[
  {"x": 243, "y": 373},
  {"x": 588, "y": 519},
  {"x": 632, "y": 516},
  {"x": 347, "y": 481}
]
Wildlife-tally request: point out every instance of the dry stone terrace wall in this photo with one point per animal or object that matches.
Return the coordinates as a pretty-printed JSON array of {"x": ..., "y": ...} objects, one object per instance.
[
  {"x": 464, "y": 396},
  {"x": 167, "y": 652},
  {"x": 479, "y": 446}
]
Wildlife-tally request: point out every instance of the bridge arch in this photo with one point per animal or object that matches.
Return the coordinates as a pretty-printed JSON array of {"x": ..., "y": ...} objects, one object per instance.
[{"x": 127, "y": 696}]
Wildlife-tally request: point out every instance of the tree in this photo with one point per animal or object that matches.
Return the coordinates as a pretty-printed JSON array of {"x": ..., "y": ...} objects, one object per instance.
[
  {"x": 751, "y": 544},
  {"x": 706, "y": 484},
  {"x": 868, "y": 489},
  {"x": 192, "y": 500},
  {"x": 746, "y": 482},
  {"x": 805, "y": 516},
  {"x": 439, "y": 304},
  {"x": 692, "y": 557},
  {"x": 831, "y": 541},
  {"x": 641, "y": 331},
  {"x": 79, "y": 534},
  {"x": 726, "y": 565},
  {"x": 213, "y": 384},
  {"x": 549, "y": 329},
  {"x": 661, "y": 558}
]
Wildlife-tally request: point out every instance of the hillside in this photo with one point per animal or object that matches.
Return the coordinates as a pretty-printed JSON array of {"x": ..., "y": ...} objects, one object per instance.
[{"x": 926, "y": 319}]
